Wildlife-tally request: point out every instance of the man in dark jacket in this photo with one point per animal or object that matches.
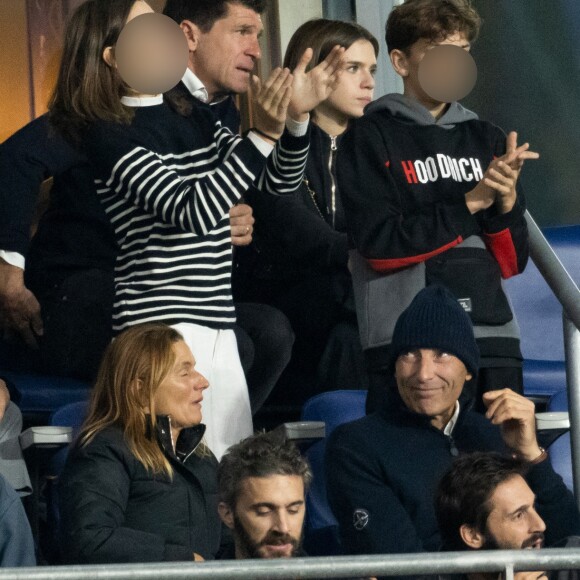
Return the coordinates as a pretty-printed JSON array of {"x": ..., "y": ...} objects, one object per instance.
[
  {"x": 383, "y": 469},
  {"x": 484, "y": 503},
  {"x": 262, "y": 482}
]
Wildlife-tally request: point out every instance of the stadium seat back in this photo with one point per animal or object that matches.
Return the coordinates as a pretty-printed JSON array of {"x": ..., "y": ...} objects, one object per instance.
[{"x": 334, "y": 408}]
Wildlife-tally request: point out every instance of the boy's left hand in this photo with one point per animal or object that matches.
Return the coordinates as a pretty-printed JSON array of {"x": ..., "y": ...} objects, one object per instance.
[{"x": 514, "y": 158}]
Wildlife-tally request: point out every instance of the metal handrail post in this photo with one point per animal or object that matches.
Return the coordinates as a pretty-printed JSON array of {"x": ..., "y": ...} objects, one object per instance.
[
  {"x": 567, "y": 293},
  {"x": 572, "y": 352},
  {"x": 553, "y": 271}
]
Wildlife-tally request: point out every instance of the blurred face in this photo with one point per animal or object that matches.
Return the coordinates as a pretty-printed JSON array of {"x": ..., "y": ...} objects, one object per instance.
[
  {"x": 430, "y": 382},
  {"x": 513, "y": 523},
  {"x": 356, "y": 85},
  {"x": 407, "y": 65},
  {"x": 224, "y": 57},
  {"x": 268, "y": 517},
  {"x": 181, "y": 393}
]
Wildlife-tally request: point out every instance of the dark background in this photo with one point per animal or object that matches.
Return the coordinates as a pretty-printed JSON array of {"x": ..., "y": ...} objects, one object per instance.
[{"x": 528, "y": 60}]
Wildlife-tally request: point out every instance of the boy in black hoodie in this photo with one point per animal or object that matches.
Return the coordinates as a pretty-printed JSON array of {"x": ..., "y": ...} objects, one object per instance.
[{"x": 431, "y": 194}]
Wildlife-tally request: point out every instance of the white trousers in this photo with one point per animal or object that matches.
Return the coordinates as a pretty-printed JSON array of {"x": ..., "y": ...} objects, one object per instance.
[{"x": 226, "y": 405}]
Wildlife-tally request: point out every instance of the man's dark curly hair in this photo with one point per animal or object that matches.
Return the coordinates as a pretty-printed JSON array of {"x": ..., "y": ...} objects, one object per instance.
[
  {"x": 204, "y": 13},
  {"x": 262, "y": 455}
]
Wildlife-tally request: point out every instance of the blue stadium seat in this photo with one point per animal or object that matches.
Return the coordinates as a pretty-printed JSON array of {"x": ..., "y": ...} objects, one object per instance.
[
  {"x": 37, "y": 395},
  {"x": 559, "y": 452},
  {"x": 70, "y": 415},
  {"x": 41, "y": 394},
  {"x": 334, "y": 408},
  {"x": 539, "y": 315}
]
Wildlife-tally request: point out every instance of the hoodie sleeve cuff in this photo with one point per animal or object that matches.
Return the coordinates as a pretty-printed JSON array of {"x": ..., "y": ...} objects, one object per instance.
[{"x": 494, "y": 222}]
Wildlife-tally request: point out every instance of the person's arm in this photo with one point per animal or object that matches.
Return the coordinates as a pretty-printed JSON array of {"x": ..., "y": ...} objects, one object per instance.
[
  {"x": 4, "y": 397},
  {"x": 285, "y": 167},
  {"x": 371, "y": 518},
  {"x": 19, "y": 308},
  {"x": 94, "y": 492},
  {"x": 196, "y": 205},
  {"x": 383, "y": 232},
  {"x": 299, "y": 230},
  {"x": 27, "y": 158},
  {"x": 17, "y": 544},
  {"x": 554, "y": 502},
  {"x": 33, "y": 154},
  {"x": 505, "y": 228},
  {"x": 516, "y": 417}
]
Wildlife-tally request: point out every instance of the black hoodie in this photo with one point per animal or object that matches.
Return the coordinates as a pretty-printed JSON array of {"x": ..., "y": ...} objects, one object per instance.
[{"x": 403, "y": 177}]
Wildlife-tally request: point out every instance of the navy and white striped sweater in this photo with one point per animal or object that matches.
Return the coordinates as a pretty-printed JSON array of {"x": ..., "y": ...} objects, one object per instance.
[{"x": 167, "y": 183}]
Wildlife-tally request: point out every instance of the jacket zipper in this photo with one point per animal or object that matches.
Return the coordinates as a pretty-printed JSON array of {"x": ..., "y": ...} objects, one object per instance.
[
  {"x": 452, "y": 447},
  {"x": 333, "y": 149}
]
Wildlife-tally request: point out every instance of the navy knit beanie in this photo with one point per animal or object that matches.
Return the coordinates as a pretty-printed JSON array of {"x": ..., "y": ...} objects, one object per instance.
[{"x": 435, "y": 319}]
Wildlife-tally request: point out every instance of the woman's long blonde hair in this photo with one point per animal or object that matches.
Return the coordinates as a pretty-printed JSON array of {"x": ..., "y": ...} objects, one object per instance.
[{"x": 133, "y": 367}]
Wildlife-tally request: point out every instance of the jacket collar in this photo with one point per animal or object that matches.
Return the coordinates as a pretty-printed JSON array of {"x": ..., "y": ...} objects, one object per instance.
[{"x": 187, "y": 442}]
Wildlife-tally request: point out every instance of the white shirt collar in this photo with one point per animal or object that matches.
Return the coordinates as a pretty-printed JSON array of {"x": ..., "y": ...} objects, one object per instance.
[
  {"x": 195, "y": 86},
  {"x": 142, "y": 101},
  {"x": 451, "y": 425}
]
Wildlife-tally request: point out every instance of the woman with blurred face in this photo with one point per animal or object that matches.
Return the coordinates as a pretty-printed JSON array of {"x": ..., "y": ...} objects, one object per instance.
[
  {"x": 167, "y": 174},
  {"x": 139, "y": 484},
  {"x": 300, "y": 260}
]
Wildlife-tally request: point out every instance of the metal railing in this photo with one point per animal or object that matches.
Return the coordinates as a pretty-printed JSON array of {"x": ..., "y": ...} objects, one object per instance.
[
  {"x": 506, "y": 561},
  {"x": 568, "y": 294}
]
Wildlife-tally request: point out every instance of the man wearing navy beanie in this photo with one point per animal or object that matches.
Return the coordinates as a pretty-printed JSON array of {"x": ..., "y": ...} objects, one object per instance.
[
  {"x": 384, "y": 468},
  {"x": 436, "y": 319}
]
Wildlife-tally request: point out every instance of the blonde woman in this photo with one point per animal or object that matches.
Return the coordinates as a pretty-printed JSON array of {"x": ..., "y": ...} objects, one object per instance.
[{"x": 139, "y": 484}]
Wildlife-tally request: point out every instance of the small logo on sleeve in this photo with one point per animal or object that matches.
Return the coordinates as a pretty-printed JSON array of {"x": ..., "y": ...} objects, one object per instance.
[{"x": 360, "y": 519}]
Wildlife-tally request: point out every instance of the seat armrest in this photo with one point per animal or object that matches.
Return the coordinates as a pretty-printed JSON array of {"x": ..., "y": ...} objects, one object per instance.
[
  {"x": 45, "y": 437},
  {"x": 551, "y": 425},
  {"x": 302, "y": 431}
]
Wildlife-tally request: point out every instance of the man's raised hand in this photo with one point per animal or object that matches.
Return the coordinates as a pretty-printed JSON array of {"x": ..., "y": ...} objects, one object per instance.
[
  {"x": 515, "y": 415},
  {"x": 270, "y": 100}
]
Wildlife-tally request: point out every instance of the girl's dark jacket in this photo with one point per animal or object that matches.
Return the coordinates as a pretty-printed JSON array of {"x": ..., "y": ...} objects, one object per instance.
[{"x": 299, "y": 234}]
